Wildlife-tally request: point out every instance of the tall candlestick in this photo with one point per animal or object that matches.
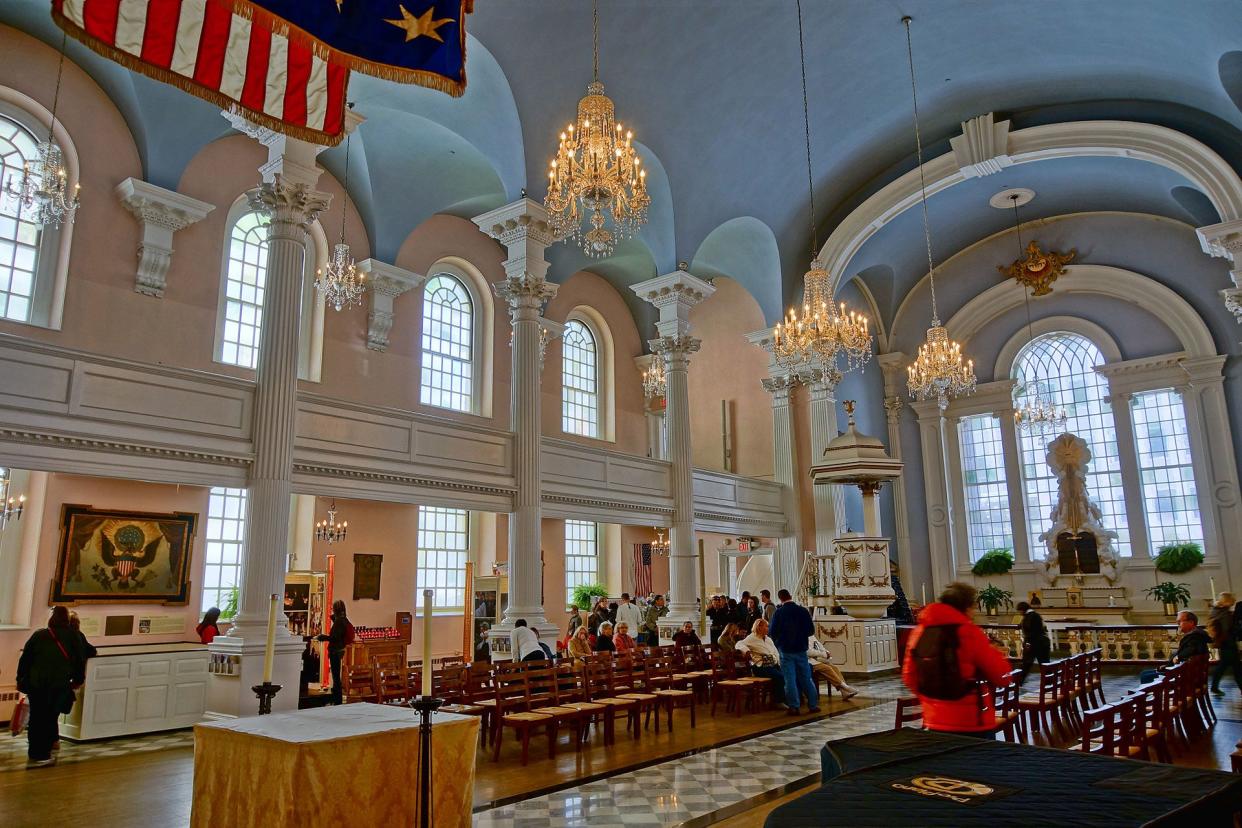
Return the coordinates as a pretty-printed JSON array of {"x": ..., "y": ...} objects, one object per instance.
[
  {"x": 1212, "y": 581},
  {"x": 269, "y": 652},
  {"x": 426, "y": 689},
  {"x": 925, "y": 593}
]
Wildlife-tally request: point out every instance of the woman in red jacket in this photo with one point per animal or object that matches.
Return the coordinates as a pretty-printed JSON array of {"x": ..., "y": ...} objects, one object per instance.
[{"x": 955, "y": 703}]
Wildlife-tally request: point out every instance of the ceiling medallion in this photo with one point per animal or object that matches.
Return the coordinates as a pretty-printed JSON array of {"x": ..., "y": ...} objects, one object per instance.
[
  {"x": 1037, "y": 269},
  {"x": 341, "y": 283},
  {"x": 598, "y": 172},
  {"x": 939, "y": 371},
  {"x": 826, "y": 329}
]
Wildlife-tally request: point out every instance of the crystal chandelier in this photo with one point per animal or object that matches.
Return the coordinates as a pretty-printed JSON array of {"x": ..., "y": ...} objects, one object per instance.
[
  {"x": 825, "y": 330},
  {"x": 329, "y": 529},
  {"x": 938, "y": 371},
  {"x": 11, "y": 507},
  {"x": 44, "y": 187},
  {"x": 596, "y": 171},
  {"x": 341, "y": 283},
  {"x": 655, "y": 384},
  {"x": 660, "y": 546},
  {"x": 1036, "y": 414}
]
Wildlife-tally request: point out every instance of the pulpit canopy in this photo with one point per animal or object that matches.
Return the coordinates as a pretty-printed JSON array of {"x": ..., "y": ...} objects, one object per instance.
[{"x": 856, "y": 459}]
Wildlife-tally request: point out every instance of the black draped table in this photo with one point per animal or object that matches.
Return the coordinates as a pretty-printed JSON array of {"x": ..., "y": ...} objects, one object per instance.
[{"x": 916, "y": 777}]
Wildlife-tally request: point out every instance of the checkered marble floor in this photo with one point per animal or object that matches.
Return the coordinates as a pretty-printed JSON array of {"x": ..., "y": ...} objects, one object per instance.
[
  {"x": 13, "y": 749},
  {"x": 673, "y": 792}
]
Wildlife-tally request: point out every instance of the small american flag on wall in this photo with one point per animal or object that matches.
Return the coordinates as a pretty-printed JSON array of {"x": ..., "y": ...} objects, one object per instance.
[{"x": 642, "y": 568}]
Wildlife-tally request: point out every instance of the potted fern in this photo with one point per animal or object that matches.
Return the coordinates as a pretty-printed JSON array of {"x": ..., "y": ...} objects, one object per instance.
[
  {"x": 1170, "y": 594},
  {"x": 1176, "y": 558},
  {"x": 992, "y": 598},
  {"x": 585, "y": 595},
  {"x": 993, "y": 562}
]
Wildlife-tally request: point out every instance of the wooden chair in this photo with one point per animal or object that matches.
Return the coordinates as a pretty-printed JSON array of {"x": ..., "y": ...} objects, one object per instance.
[
  {"x": 1075, "y": 681},
  {"x": 737, "y": 692},
  {"x": 393, "y": 685},
  {"x": 597, "y": 685},
  {"x": 1115, "y": 730},
  {"x": 1153, "y": 700},
  {"x": 909, "y": 709},
  {"x": 695, "y": 670},
  {"x": 1043, "y": 709},
  {"x": 358, "y": 684},
  {"x": 1099, "y": 731},
  {"x": 387, "y": 661},
  {"x": 660, "y": 678},
  {"x": 571, "y": 693},
  {"x": 631, "y": 680},
  {"x": 450, "y": 684},
  {"x": 517, "y": 707},
  {"x": 1009, "y": 720},
  {"x": 1095, "y": 679}
]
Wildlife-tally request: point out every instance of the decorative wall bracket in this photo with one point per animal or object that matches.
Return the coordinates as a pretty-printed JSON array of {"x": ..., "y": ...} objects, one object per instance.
[
  {"x": 161, "y": 213},
  {"x": 387, "y": 283}
]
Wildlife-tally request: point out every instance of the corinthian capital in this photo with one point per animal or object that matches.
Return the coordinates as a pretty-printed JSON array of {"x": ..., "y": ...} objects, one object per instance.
[
  {"x": 780, "y": 387},
  {"x": 893, "y": 406},
  {"x": 525, "y": 297},
  {"x": 286, "y": 202},
  {"x": 820, "y": 380}
]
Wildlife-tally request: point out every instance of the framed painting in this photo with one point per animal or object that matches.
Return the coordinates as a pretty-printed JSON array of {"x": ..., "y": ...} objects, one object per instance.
[
  {"x": 118, "y": 556},
  {"x": 367, "y": 576}
]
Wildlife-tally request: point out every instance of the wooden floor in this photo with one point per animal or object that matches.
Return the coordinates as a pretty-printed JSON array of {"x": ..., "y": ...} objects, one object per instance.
[{"x": 154, "y": 789}]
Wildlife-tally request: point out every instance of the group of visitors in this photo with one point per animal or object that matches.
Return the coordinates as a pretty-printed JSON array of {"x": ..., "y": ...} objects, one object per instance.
[
  {"x": 619, "y": 626},
  {"x": 50, "y": 670},
  {"x": 744, "y": 612}
]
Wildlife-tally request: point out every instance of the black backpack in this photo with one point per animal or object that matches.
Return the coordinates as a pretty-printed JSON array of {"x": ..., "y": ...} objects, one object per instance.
[{"x": 937, "y": 669}]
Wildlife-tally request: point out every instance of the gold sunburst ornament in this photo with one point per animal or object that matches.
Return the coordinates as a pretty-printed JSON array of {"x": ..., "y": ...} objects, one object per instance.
[
  {"x": 1036, "y": 269},
  {"x": 939, "y": 371},
  {"x": 597, "y": 188},
  {"x": 826, "y": 329}
]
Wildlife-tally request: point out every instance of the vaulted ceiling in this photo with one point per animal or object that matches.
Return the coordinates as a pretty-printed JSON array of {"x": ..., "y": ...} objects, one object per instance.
[{"x": 712, "y": 91}]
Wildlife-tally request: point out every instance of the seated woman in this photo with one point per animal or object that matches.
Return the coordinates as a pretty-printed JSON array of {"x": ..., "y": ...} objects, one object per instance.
[
  {"x": 580, "y": 645},
  {"x": 622, "y": 640},
  {"x": 822, "y": 667},
  {"x": 765, "y": 659},
  {"x": 603, "y": 641},
  {"x": 729, "y": 638}
]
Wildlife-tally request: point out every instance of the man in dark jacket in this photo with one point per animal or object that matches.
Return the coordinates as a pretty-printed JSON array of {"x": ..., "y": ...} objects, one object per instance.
[
  {"x": 49, "y": 664},
  {"x": 1036, "y": 645},
  {"x": 1194, "y": 641},
  {"x": 791, "y": 629}
]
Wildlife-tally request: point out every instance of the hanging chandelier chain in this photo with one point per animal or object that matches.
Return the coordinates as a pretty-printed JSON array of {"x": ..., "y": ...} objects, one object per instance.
[
  {"x": 806, "y": 123},
  {"x": 345, "y": 201},
  {"x": 595, "y": 40},
  {"x": 60, "y": 71},
  {"x": 1026, "y": 289},
  {"x": 918, "y": 145}
]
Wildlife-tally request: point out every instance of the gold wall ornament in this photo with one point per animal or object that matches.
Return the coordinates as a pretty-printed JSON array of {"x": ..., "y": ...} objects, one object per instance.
[{"x": 1037, "y": 269}]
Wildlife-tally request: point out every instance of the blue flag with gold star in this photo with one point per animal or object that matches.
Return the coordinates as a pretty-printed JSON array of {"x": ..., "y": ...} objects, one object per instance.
[{"x": 409, "y": 41}]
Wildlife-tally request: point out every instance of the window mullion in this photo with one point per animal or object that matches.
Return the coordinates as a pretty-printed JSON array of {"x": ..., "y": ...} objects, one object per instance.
[{"x": 1131, "y": 477}]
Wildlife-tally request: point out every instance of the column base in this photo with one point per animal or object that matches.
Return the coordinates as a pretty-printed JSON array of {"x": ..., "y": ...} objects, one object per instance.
[
  {"x": 230, "y": 694},
  {"x": 859, "y": 645}
]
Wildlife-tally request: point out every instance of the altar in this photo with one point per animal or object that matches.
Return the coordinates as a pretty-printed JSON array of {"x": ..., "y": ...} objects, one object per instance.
[{"x": 354, "y": 764}]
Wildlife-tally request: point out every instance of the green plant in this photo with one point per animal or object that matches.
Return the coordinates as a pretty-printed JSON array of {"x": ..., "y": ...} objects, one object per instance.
[
  {"x": 993, "y": 598},
  {"x": 993, "y": 562},
  {"x": 1167, "y": 592},
  {"x": 585, "y": 595},
  {"x": 1176, "y": 558},
  {"x": 230, "y": 605}
]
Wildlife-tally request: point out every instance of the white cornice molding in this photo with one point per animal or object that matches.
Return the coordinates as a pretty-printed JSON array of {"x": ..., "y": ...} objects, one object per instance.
[
  {"x": 1126, "y": 139},
  {"x": 386, "y": 283},
  {"x": 161, "y": 213}
]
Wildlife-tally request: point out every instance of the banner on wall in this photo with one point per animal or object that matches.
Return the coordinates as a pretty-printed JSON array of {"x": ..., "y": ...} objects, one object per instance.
[{"x": 283, "y": 64}]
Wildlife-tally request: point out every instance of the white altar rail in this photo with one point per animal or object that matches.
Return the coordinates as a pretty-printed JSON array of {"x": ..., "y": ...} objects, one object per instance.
[{"x": 1122, "y": 644}]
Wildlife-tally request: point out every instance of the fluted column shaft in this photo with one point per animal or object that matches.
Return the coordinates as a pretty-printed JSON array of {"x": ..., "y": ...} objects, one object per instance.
[
  {"x": 292, "y": 207},
  {"x": 829, "y": 500},
  {"x": 682, "y": 565},
  {"x": 788, "y": 561}
]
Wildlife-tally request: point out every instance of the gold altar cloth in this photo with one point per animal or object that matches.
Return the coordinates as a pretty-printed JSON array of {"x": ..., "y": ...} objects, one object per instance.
[{"x": 356, "y": 764}]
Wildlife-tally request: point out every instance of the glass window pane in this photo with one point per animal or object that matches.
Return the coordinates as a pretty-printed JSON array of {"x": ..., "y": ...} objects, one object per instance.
[
  {"x": 579, "y": 387},
  {"x": 226, "y": 532},
  {"x": 987, "y": 496},
  {"x": 244, "y": 281},
  {"x": 1170, "y": 500},
  {"x": 443, "y": 548},
  {"x": 447, "y": 375},
  {"x": 581, "y": 555}
]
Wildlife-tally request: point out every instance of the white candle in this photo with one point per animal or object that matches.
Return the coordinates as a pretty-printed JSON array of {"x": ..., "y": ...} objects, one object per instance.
[
  {"x": 426, "y": 688},
  {"x": 269, "y": 652},
  {"x": 1212, "y": 581},
  {"x": 925, "y": 593}
]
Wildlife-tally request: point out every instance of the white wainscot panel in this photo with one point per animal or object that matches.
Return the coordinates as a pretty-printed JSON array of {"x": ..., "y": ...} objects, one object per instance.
[{"x": 140, "y": 689}]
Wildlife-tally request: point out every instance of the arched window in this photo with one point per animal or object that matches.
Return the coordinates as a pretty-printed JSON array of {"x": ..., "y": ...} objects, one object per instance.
[
  {"x": 22, "y": 242},
  {"x": 1166, "y": 470},
  {"x": 448, "y": 371},
  {"x": 245, "y": 278},
  {"x": 579, "y": 381},
  {"x": 1062, "y": 366}
]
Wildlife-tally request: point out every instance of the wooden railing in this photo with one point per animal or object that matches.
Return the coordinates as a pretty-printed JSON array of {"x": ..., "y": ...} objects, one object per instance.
[{"x": 1122, "y": 643}]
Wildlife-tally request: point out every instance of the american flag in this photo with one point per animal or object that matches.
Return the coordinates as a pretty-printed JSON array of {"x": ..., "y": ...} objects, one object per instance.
[
  {"x": 642, "y": 568},
  {"x": 206, "y": 48}
]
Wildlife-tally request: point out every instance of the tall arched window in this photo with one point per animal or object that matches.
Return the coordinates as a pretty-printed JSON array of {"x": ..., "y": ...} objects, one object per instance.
[
  {"x": 1062, "y": 366},
  {"x": 244, "y": 281},
  {"x": 579, "y": 381},
  {"x": 20, "y": 238},
  {"x": 447, "y": 379}
]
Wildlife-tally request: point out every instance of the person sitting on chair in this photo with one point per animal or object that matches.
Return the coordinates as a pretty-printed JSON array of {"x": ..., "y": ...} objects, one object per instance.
[
  {"x": 1193, "y": 642},
  {"x": 622, "y": 641},
  {"x": 765, "y": 659}
]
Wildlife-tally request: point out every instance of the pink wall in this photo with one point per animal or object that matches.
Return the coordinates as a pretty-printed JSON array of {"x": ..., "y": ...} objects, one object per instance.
[
  {"x": 107, "y": 494},
  {"x": 727, "y": 367}
]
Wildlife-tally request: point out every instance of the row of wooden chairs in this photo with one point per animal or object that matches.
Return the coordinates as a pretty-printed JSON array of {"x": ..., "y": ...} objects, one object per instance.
[{"x": 1067, "y": 687}]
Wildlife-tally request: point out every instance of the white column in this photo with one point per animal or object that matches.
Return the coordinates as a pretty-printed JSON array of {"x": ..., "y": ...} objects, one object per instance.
[
  {"x": 829, "y": 500},
  {"x": 522, "y": 227},
  {"x": 893, "y": 366},
  {"x": 938, "y": 532},
  {"x": 788, "y": 559},
  {"x": 674, "y": 295}
]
